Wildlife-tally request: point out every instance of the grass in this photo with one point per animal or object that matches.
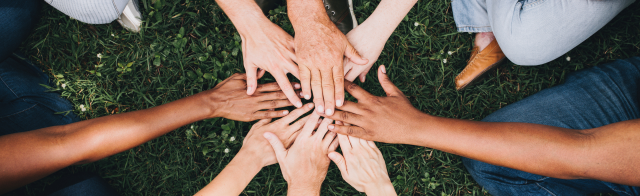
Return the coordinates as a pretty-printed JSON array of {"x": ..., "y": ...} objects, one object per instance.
[{"x": 188, "y": 46}]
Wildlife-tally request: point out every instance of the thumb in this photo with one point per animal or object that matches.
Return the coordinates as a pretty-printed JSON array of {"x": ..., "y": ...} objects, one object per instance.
[
  {"x": 352, "y": 54},
  {"x": 252, "y": 79},
  {"x": 338, "y": 159},
  {"x": 276, "y": 144},
  {"x": 386, "y": 83}
]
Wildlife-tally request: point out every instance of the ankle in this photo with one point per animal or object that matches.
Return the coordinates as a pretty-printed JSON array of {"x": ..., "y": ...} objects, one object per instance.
[{"x": 483, "y": 39}]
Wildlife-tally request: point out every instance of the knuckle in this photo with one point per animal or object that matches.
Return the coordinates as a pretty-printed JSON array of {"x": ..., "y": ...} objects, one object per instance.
[
  {"x": 280, "y": 94},
  {"x": 273, "y": 103},
  {"x": 344, "y": 116},
  {"x": 375, "y": 99},
  {"x": 267, "y": 114},
  {"x": 352, "y": 131},
  {"x": 352, "y": 86}
]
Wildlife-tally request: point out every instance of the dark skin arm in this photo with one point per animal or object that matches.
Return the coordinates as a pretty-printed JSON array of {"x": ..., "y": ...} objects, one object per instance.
[
  {"x": 29, "y": 156},
  {"x": 608, "y": 153}
]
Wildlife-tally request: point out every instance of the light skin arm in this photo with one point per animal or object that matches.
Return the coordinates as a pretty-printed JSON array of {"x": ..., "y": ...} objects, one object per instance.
[
  {"x": 370, "y": 37},
  {"x": 29, "y": 156},
  {"x": 264, "y": 45},
  {"x": 605, "y": 153},
  {"x": 320, "y": 48}
]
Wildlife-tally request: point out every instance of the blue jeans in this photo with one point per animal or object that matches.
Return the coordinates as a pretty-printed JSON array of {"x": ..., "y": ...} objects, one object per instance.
[
  {"x": 534, "y": 32},
  {"x": 588, "y": 99},
  {"x": 25, "y": 105}
]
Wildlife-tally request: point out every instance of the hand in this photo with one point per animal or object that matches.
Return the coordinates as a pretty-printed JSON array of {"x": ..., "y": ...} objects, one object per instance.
[
  {"x": 304, "y": 165},
  {"x": 362, "y": 166},
  {"x": 270, "y": 48},
  {"x": 320, "y": 48},
  {"x": 369, "y": 43},
  {"x": 230, "y": 101},
  {"x": 260, "y": 149},
  {"x": 383, "y": 119}
]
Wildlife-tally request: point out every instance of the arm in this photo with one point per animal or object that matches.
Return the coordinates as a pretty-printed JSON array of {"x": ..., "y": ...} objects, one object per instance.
[
  {"x": 370, "y": 37},
  {"x": 304, "y": 165},
  {"x": 363, "y": 166},
  {"x": 255, "y": 153},
  {"x": 264, "y": 45},
  {"x": 29, "y": 156},
  {"x": 538, "y": 149},
  {"x": 320, "y": 48}
]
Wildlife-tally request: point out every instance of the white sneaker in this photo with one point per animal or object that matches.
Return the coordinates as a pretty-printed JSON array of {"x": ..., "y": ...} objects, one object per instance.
[{"x": 131, "y": 18}]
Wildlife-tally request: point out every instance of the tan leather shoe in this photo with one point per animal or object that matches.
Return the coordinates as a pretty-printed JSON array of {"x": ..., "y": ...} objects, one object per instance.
[{"x": 479, "y": 63}]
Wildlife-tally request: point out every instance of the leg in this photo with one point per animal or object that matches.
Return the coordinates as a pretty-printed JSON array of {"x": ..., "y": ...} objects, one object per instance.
[
  {"x": 589, "y": 98},
  {"x": 91, "y": 11},
  {"x": 82, "y": 184},
  {"x": 26, "y": 105},
  {"x": 534, "y": 32},
  {"x": 16, "y": 20}
]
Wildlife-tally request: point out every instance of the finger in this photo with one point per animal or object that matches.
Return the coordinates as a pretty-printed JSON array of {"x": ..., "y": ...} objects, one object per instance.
[
  {"x": 252, "y": 79},
  {"x": 316, "y": 88},
  {"x": 363, "y": 77},
  {"x": 268, "y": 87},
  {"x": 276, "y": 144},
  {"x": 346, "y": 66},
  {"x": 305, "y": 81},
  {"x": 292, "y": 68},
  {"x": 262, "y": 122},
  {"x": 334, "y": 144},
  {"x": 286, "y": 87},
  {"x": 356, "y": 91},
  {"x": 340, "y": 162},
  {"x": 328, "y": 139},
  {"x": 386, "y": 83},
  {"x": 353, "y": 131},
  {"x": 261, "y": 73},
  {"x": 353, "y": 55},
  {"x": 295, "y": 114},
  {"x": 346, "y": 117},
  {"x": 322, "y": 129},
  {"x": 352, "y": 107},
  {"x": 345, "y": 145},
  {"x": 328, "y": 91},
  {"x": 338, "y": 81},
  {"x": 309, "y": 125},
  {"x": 351, "y": 75},
  {"x": 268, "y": 114},
  {"x": 272, "y": 104}
]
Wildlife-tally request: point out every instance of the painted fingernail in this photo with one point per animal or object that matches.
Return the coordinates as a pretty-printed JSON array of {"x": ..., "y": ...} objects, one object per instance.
[
  {"x": 307, "y": 97},
  {"x": 383, "y": 69},
  {"x": 329, "y": 112},
  {"x": 320, "y": 109},
  {"x": 285, "y": 112},
  {"x": 297, "y": 86},
  {"x": 331, "y": 127},
  {"x": 310, "y": 105},
  {"x": 299, "y": 104},
  {"x": 339, "y": 103}
]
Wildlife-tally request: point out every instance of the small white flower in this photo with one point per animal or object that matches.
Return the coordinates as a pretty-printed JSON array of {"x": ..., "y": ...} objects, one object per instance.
[
  {"x": 83, "y": 109},
  {"x": 191, "y": 126},
  {"x": 441, "y": 52},
  {"x": 81, "y": 105},
  {"x": 99, "y": 55},
  {"x": 568, "y": 58},
  {"x": 112, "y": 35},
  {"x": 232, "y": 139},
  {"x": 450, "y": 52},
  {"x": 416, "y": 24},
  {"x": 63, "y": 85},
  {"x": 444, "y": 60},
  {"x": 226, "y": 150}
]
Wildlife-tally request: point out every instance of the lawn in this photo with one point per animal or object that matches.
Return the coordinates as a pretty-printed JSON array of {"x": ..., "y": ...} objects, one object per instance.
[{"x": 188, "y": 46}]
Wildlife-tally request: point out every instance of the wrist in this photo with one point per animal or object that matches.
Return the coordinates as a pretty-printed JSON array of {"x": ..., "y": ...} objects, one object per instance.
[
  {"x": 305, "y": 12},
  {"x": 294, "y": 189},
  {"x": 382, "y": 189},
  {"x": 248, "y": 161}
]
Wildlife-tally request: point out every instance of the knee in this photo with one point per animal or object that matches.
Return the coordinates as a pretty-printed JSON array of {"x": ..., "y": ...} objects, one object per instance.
[
  {"x": 98, "y": 12},
  {"x": 525, "y": 52}
]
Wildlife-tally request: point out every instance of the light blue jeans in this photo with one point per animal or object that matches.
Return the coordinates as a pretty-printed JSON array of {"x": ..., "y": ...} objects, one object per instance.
[
  {"x": 534, "y": 32},
  {"x": 91, "y": 11}
]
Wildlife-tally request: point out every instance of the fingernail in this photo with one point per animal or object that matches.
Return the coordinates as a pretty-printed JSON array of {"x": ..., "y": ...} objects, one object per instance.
[
  {"x": 285, "y": 112},
  {"x": 299, "y": 104},
  {"x": 307, "y": 97},
  {"x": 329, "y": 112},
  {"x": 331, "y": 127},
  {"x": 300, "y": 94},
  {"x": 267, "y": 136},
  {"x": 332, "y": 156},
  {"x": 297, "y": 86},
  {"x": 319, "y": 121},
  {"x": 339, "y": 103},
  {"x": 249, "y": 90},
  {"x": 321, "y": 109},
  {"x": 383, "y": 69},
  {"x": 310, "y": 105}
]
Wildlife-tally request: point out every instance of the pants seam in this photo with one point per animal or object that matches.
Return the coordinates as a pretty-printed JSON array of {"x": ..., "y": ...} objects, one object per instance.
[
  {"x": 545, "y": 189},
  {"x": 115, "y": 8},
  {"x": 20, "y": 111},
  {"x": 5, "y": 83}
]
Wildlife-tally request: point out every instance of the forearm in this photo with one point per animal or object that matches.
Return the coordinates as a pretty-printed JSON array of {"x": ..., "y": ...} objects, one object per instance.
[
  {"x": 234, "y": 177},
  {"x": 306, "y": 14},
  {"x": 246, "y": 15},
  {"x": 381, "y": 190},
  {"x": 295, "y": 190},
  {"x": 35, "y": 154},
  {"x": 387, "y": 16},
  {"x": 602, "y": 153}
]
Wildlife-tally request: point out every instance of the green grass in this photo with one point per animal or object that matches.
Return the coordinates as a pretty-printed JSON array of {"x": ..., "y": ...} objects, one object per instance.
[{"x": 185, "y": 40}]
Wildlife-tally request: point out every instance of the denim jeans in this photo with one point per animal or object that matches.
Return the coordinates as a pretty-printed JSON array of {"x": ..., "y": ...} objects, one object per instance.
[
  {"x": 24, "y": 104},
  {"x": 588, "y": 99},
  {"x": 534, "y": 32}
]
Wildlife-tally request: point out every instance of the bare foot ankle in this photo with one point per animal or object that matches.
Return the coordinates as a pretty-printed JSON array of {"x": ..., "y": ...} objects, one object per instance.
[{"x": 483, "y": 39}]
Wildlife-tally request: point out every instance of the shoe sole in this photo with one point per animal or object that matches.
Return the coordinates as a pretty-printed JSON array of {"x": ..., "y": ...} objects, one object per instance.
[{"x": 481, "y": 73}]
